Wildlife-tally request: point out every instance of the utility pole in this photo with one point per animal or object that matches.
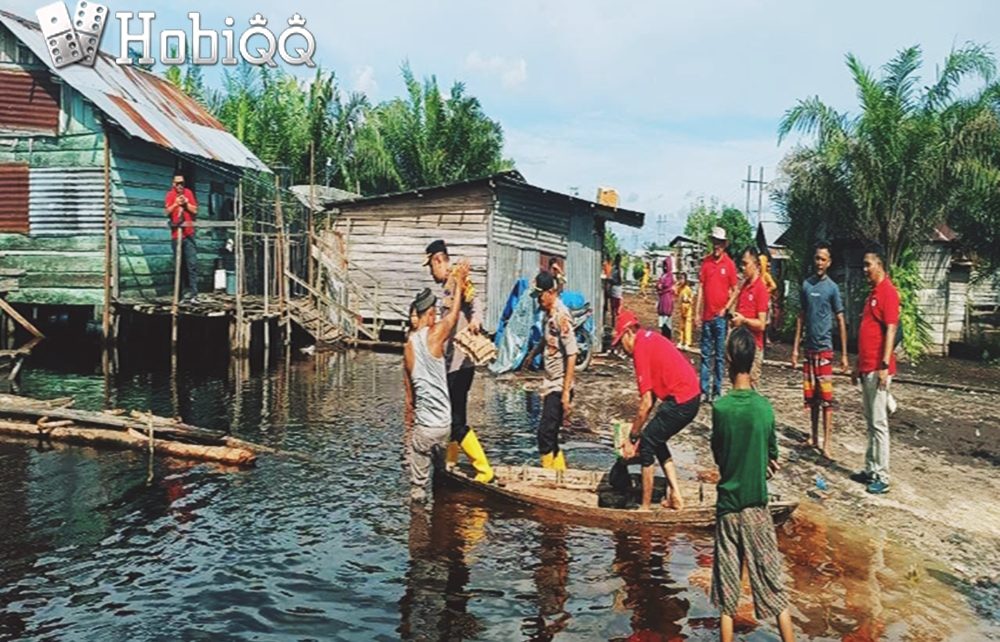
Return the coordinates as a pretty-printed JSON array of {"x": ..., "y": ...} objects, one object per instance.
[{"x": 760, "y": 192}]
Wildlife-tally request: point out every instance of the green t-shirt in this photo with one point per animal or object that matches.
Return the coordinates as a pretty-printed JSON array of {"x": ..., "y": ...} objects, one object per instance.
[{"x": 743, "y": 440}]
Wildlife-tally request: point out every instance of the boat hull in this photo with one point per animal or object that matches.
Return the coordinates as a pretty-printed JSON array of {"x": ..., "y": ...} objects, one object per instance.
[{"x": 574, "y": 494}]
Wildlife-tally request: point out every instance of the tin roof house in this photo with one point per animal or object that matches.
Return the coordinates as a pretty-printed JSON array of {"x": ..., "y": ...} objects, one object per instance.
[
  {"x": 87, "y": 152},
  {"x": 506, "y": 228}
]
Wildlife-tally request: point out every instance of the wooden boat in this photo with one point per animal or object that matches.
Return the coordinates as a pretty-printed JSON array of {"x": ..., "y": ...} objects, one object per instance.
[{"x": 575, "y": 493}]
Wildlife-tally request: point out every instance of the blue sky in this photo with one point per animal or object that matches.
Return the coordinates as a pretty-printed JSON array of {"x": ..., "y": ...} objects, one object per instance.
[{"x": 667, "y": 102}]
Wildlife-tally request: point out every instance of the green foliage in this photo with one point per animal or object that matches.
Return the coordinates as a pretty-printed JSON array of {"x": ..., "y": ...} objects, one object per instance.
[
  {"x": 913, "y": 157},
  {"x": 638, "y": 269},
  {"x": 424, "y": 138},
  {"x": 916, "y": 331},
  {"x": 700, "y": 221},
  {"x": 916, "y": 155},
  {"x": 612, "y": 246},
  {"x": 738, "y": 229},
  {"x": 702, "y": 218}
]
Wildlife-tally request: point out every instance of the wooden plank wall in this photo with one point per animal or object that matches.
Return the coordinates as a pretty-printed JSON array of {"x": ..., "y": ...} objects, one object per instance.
[
  {"x": 141, "y": 174},
  {"x": 387, "y": 240},
  {"x": 62, "y": 253},
  {"x": 526, "y": 224},
  {"x": 934, "y": 262}
]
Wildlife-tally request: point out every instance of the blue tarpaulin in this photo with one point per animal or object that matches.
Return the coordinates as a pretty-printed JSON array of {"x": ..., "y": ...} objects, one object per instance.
[{"x": 520, "y": 326}]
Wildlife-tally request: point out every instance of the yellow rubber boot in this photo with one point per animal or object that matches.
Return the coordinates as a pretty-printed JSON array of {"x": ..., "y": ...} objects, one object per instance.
[
  {"x": 559, "y": 461},
  {"x": 474, "y": 451},
  {"x": 451, "y": 455},
  {"x": 547, "y": 460}
]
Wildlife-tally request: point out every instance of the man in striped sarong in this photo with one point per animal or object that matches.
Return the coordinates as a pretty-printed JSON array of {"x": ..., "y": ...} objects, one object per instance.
[{"x": 746, "y": 450}]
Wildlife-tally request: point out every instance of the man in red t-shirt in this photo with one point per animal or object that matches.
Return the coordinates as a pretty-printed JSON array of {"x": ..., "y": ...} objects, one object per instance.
[
  {"x": 875, "y": 367},
  {"x": 751, "y": 308},
  {"x": 662, "y": 373},
  {"x": 716, "y": 286},
  {"x": 181, "y": 208}
]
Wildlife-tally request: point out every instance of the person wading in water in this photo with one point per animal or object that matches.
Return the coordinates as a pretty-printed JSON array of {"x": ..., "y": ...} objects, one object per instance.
[{"x": 427, "y": 386}]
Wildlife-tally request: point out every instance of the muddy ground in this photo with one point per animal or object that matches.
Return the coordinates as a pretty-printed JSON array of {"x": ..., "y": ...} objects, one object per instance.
[{"x": 945, "y": 450}]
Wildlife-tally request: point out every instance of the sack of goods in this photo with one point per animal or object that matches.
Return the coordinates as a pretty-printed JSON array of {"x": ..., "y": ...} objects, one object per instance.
[{"x": 480, "y": 349}]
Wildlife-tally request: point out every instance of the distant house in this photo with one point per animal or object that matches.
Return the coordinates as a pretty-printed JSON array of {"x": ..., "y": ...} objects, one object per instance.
[
  {"x": 688, "y": 254},
  {"x": 54, "y": 125},
  {"x": 948, "y": 302},
  {"x": 506, "y": 227}
]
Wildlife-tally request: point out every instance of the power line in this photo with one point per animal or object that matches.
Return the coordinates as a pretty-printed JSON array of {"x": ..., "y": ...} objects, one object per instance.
[{"x": 760, "y": 183}]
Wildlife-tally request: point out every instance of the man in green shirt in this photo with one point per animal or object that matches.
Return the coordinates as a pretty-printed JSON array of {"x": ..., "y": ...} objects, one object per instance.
[{"x": 745, "y": 448}]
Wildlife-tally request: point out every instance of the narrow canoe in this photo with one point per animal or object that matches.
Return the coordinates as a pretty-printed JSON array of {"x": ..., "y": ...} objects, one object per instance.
[{"x": 574, "y": 494}]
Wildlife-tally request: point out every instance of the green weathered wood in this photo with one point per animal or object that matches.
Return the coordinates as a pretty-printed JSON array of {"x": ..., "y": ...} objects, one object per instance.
[
  {"x": 65, "y": 263},
  {"x": 81, "y": 243},
  {"x": 58, "y": 296},
  {"x": 61, "y": 280}
]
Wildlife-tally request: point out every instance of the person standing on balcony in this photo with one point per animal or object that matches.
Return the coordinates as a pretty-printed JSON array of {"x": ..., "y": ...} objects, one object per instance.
[{"x": 181, "y": 208}]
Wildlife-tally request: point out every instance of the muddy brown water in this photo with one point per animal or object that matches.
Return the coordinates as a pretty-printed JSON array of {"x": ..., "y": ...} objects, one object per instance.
[{"x": 328, "y": 547}]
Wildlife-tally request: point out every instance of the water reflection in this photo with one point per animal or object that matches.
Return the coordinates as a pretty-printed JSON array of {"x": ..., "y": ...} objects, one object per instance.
[
  {"x": 325, "y": 546},
  {"x": 434, "y": 606}
]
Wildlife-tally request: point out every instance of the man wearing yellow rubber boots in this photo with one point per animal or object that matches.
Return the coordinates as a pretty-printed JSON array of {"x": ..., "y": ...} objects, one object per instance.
[
  {"x": 461, "y": 368},
  {"x": 559, "y": 357}
]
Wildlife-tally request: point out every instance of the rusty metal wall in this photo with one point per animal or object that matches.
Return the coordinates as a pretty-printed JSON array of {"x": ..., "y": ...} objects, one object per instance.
[
  {"x": 29, "y": 102},
  {"x": 14, "y": 198},
  {"x": 66, "y": 201}
]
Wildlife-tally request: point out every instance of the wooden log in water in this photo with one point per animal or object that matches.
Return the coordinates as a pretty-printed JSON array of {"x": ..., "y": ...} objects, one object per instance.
[
  {"x": 133, "y": 439},
  {"x": 30, "y": 410}
]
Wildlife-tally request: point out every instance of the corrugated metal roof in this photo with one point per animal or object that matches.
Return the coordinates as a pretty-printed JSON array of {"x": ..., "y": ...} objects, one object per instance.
[
  {"x": 143, "y": 104},
  {"x": 511, "y": 178},
  {"x": 772, "y": 231},
  {"x": 28, "y": 102},
  {"x": 66, "y": 200}
]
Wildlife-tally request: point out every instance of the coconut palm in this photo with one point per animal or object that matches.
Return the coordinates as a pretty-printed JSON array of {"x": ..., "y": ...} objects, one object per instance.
[{"x": 896, "y": 169}]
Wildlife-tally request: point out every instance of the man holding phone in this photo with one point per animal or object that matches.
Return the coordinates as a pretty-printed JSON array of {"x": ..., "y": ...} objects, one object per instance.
[{"x": 181, "y": 208}]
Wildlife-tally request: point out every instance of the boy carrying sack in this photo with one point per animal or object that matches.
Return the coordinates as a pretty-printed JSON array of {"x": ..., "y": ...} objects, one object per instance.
[{"x": 745, "y": 448}]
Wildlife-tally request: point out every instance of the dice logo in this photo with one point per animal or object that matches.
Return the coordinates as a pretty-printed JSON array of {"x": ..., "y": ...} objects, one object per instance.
[{"x": 73, "y": 38}]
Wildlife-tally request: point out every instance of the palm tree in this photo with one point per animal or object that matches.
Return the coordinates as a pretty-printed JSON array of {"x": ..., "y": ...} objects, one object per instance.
[{"x": 897, "y": 168}]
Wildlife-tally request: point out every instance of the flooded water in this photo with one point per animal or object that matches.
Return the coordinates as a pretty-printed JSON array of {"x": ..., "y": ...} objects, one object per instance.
[{"x": 326, "y": 546}]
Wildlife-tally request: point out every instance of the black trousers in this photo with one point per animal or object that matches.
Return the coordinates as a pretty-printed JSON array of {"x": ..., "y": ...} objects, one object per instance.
[
  {"x": 189, "y": 265},
  {"x": 669, "y": 419},
  {"x": 459, "y": 384},
  {"x": 548, "y": 428}
]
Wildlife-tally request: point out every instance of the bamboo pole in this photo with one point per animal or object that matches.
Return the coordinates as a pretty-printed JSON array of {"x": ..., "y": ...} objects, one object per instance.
[
  {"x": 177, "y": 287},
  {"x": 237, "y": 345},
  {"x": 309, "y": 216},
  {"x": 267, "y": 294},
  {"x": 16, "y": 316},
  {"x": 282, "y": 264},
  {"x": 106, "y": 316}
]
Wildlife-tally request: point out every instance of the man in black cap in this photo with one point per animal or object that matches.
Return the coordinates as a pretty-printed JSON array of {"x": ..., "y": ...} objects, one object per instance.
[
  {"x": 461, "y": 368},
  {"x": 559, "y": 350}
]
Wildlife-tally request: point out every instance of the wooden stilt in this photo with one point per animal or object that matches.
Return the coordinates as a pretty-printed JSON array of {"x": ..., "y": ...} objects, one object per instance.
[
  {"x": 106, "y": 316},
  {"x": 177, "y": 288}
]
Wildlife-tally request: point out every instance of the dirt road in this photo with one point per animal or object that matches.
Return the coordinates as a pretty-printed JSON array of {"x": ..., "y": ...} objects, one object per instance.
[{"x": 945, "y": 450}]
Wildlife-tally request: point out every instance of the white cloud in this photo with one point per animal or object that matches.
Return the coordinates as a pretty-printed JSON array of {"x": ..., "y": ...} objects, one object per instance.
[
  {"x": 513, "y": 73},
  {"x": 364, "y": 81},
  {"x": 662, "y": 175}
]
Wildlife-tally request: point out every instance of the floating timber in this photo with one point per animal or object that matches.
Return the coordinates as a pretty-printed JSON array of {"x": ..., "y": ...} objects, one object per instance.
[{"x": 55, "y": 420}]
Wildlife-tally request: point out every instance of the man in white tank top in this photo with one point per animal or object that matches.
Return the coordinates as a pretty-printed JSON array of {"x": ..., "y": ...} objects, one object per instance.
[{"x": 427, "y": 385}]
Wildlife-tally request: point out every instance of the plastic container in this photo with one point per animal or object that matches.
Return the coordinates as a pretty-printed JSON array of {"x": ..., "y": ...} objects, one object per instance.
[{"x": 621, "y": 431}]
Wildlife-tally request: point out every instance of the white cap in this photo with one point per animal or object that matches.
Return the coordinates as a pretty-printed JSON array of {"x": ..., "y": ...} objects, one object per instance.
[{"x": 718, "y": 233}]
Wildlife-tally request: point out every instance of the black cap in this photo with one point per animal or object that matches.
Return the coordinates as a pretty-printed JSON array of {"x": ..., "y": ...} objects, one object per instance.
[
  {"x": 423, "y": 301},
  {"x": 432, "y": 249},
  {"x": 543, "y": 283}
]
